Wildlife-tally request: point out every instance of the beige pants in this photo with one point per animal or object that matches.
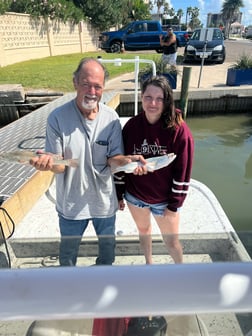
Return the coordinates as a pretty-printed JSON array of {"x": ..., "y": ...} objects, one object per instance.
[{"x": 170, "y": 59}]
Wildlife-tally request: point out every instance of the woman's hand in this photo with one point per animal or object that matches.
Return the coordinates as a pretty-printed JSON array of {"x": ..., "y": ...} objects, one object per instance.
[{"x": 121, "y": 205}]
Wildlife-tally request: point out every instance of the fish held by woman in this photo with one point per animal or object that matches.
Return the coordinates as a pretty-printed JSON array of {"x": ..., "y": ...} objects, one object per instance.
[
  {"x": 152, "y": 164},
  {"x": 24, "y": 157}
]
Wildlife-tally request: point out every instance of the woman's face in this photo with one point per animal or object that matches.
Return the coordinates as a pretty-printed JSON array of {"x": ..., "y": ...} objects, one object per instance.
[{"x": 153, "y": 103}]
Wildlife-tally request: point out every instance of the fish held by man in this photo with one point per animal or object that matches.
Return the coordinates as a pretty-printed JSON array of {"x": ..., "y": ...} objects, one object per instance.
[
  {"x": 24, "y": 157},
  {"x": 152, "y": 164}
]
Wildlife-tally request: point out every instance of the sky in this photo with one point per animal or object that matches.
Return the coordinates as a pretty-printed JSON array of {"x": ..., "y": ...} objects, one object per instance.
[{"x": 211, "y": 6}]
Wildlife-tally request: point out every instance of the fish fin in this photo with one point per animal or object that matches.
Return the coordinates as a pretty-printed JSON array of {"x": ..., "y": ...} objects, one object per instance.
[{"x": 116, "y": 170}]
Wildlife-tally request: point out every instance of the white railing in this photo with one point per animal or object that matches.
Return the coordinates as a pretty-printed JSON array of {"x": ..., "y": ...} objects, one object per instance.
[
  {"x": 119, "y": 291},
  {"x": 136, "y": 61}
]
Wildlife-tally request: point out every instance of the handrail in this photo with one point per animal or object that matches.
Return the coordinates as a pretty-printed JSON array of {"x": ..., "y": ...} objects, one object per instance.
[
  {"x": 110, "y": 291},
  {"x": 137, "y": 61}
]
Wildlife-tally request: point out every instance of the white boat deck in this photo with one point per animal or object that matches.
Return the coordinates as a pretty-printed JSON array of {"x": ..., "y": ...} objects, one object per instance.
[
  {"x": 203, "y": 222},
  {"x": 201, "y": 214},
  {"x": 206, "y": 234}
]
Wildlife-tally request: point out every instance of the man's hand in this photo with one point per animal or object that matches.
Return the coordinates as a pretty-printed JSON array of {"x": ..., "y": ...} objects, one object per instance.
[{"x": 44, "y": 162}]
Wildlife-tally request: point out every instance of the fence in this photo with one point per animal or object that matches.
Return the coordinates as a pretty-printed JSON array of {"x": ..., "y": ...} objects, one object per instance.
[{"x": 23, "y": 38}]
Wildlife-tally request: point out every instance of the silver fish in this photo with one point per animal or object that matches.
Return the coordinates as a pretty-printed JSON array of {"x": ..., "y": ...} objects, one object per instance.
[
  {"x": 24, "y": 157},
  {"x": 152, "y": 164}
]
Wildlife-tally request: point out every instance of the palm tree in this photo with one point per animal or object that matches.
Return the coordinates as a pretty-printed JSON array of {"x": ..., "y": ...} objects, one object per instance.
[
  {"x": 188, "y": 12},
  {"x": 171, "y": 12},
  {"x": 180, "y": 13},
  {"x": 229, "y": 9},
  {"x": 194, "y": 22},
  {"x": 159, "y": 4},
  {"x": 166, "y": 8}
]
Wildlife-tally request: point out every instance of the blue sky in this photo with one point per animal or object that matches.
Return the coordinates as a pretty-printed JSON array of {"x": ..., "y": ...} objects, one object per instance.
[{"x": 211, "y": 6}]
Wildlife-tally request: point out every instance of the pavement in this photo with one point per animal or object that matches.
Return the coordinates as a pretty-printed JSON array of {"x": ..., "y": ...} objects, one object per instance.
[{"x": 201, "y": 77}]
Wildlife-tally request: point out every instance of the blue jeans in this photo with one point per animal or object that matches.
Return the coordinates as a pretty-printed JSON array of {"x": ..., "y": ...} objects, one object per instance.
[{"x": 71, "y": 234}]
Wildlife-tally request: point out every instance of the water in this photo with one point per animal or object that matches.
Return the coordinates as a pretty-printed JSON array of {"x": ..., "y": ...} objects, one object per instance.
[{"x": 223, "y": 161}]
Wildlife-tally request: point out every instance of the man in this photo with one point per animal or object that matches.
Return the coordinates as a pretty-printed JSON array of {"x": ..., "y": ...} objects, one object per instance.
[
  {"x": 87, "y": 130},
  {"x": 169, "y": 44}
]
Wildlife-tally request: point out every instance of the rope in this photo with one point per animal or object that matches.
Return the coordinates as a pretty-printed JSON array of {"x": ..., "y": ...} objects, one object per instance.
[{"x": 3, "y": 235}]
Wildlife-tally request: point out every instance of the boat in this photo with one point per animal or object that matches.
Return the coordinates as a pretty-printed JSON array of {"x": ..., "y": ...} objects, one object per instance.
[{"x": 34, "y": 290}]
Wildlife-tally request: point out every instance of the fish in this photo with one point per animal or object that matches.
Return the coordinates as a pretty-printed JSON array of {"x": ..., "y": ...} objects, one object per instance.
[
  {"x": 24, "y": 157},
  {"x": 152, "y": 164}
]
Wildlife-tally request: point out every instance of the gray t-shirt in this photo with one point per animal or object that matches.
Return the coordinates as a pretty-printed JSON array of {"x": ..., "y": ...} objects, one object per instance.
[{"x": 86, "y": 191}]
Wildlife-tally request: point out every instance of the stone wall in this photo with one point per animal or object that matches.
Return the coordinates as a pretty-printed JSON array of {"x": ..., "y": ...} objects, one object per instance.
[{"x": 22, "y": 38}]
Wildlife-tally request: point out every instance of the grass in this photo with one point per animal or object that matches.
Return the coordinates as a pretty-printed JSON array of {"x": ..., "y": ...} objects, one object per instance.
[{"x": 55, "y": 72}]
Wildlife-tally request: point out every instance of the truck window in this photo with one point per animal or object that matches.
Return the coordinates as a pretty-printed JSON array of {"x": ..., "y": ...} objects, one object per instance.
[
  {"x": 152, "y": 26},
  {"x": 196, "y": 35},
  {"x": 138, "y": 27}
]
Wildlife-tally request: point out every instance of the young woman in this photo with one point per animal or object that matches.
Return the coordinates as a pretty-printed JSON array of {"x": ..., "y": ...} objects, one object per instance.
[{"x": 158, "y": 130}]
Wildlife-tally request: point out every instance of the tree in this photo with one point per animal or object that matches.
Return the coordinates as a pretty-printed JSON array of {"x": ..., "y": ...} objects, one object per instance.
[
  {"x": 171, "y": 12},
  {"x": 4, "y": 6},
  {"x": 62, "y": 10},
  {"x": 188, "y": 13},
  {"x": 159, "y": 4},
  {"x": 180, "y": 13},
  {"x": 140, "y": 8},
  {"x": 104, "y": 14},
  {"x": 166, "y": 8},
  {"x": 194, "y": 21},
  {"x": 230, "y": 8}
]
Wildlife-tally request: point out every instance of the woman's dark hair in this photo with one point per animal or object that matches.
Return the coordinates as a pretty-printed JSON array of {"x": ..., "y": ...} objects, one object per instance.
[{"x": 170, "y": 116}]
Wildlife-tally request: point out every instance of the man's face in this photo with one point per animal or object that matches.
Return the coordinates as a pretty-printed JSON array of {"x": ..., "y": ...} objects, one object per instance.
[
  {"x": 90, "y": 86},
  {"x": 169, "y": 31}
]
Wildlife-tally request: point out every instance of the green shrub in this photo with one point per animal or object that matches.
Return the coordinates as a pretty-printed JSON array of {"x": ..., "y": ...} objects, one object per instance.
[
  {"x": 244, "y": 62},
  {"x": 161, "y": 67}
]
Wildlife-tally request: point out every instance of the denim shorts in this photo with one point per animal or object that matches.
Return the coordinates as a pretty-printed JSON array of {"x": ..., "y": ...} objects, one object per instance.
[{"x": 156, "y": 209}]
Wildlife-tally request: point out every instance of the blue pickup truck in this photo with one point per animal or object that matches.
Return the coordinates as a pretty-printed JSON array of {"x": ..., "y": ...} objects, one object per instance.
[{"x": 138, "y": 35}]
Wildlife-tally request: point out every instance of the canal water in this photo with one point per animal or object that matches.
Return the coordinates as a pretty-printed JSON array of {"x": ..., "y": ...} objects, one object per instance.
[{"x": 223, "y": 161}]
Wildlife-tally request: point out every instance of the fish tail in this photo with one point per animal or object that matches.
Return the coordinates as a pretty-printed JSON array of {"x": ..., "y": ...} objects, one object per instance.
[{"x": 73, "y": 163}]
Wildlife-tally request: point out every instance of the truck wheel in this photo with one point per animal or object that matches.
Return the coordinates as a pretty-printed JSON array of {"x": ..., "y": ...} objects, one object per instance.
[{"x": 115, "y": 47}]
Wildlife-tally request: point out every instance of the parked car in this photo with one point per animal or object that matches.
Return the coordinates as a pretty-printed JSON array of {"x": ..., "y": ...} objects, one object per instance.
[
  {"x": 207, "y": 43},
  {"x": 248, "y": 34}
]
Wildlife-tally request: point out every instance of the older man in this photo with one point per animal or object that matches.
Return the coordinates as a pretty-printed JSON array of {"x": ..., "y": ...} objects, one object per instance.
[{"x": 87, "y": 130}]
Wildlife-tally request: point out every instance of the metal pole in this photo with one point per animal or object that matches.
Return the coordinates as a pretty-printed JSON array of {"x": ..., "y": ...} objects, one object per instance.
[
  {"x": 184, "y": 89},
  {"x": 136, "y": 83},
  {"x": 203, "y": 57}
]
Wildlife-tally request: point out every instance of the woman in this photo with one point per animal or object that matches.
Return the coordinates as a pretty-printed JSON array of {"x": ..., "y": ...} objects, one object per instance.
[{"x": 158, "y": 130}]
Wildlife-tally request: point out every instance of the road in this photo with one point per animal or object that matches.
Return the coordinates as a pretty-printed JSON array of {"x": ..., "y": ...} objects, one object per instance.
[{"x": 236, "y": 48}]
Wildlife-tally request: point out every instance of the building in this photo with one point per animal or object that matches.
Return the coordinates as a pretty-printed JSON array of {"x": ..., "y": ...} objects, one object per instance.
[{"x": 216, "y": 19}]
